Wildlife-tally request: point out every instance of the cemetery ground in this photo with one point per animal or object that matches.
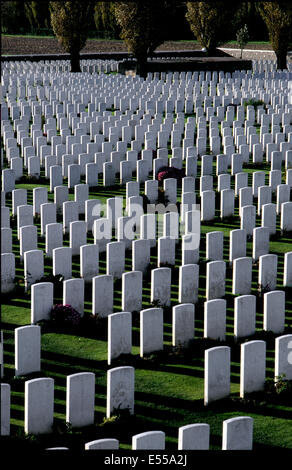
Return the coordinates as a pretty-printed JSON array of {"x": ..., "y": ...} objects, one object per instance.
[
  {"x": 17, "y": 44},
  {"x": 169, "y": 385}
]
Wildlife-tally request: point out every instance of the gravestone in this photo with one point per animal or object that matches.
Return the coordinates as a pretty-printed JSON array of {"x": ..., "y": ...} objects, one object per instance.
[
  {"x": 188, "y": 283},
  {"x": 42, "y": 299},
  {"x": 5, "y": 410},
  {"x": 62, "y": 262},
  {"x": 40, "y": 196},
  {"x": 132, "y": 291},
  {"x": 6, "y": 240},
  {"x": 216, "y": 374},
  {"x": 140, "y": 255},
  {"x": 215, "y": 319},
  {"x": 244, "y": 316},
  {"x": 283, "y": 357},
  {"x": 242, "y": 276},
  {"x": 27, "y": 350},
  {"x": 115, "y": 259},
  {"x": 89, "y": 262},
  {"x": 7, "y": 272},
  {"x": 274, "y": 311},
  {"x": 33, "y": 267},
  {"x": 120, "y": 390},
  {"x": 119, "y": 335},
  {"x": 237, "y": 244},
  {"x": 214, "y": 246},
  {"x": 237, "y": 433},
  {"x": 261, "y": 242},
  {"x": 183, "y": 321},
  {"x": 54, "y": 238},
  {"x": 226, "y": 203},
  {"x": 252, "y": 367},
  {"x": 73, "y": 294},
  {"x": 102, "y": 232},
  {"x": 48, "y": 216},
  {"x": 151, "y": 330},
  {"x": 102, "y": 295},
  {"x": 24, "y": 217},
  {"x": 287, "y": 281},
  {"x": 268, "y": 267},
  {"x": 151, "y": 440},
  {"x": 161, "y": 286},
  {"x": 39, "y": 406},
  {"x": 70, "y": 214},
  {"x": 166, "y": 251},
  {"x": 194, "y": 437},
  {"x": 77, "y": 236},
  {"x": 215, "y": 280},
  {"x": 80, "y": 398},
  {"x": 102, "y": 444},
  {"x": 248, "y": 219}
]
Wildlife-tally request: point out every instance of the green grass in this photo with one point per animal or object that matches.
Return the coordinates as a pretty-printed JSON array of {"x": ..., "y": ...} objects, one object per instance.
[{"x": 168, "y": 386}]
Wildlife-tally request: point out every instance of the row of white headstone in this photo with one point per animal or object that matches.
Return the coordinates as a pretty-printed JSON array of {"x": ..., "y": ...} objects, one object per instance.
[
  {"x": 28, "y": 338},
  {"x": 80, "y": 392}
]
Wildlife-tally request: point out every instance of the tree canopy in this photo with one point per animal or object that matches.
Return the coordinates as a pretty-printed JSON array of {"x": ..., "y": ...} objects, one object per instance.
[
  {"x": 70, "y": 20},
  {"x": 211, "y": 21},
  {"x": 278, "y": 19},
  {"x": 142, "y": 27}
]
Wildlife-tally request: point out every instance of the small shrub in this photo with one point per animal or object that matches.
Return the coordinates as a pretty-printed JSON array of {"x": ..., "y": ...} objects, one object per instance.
[
  {"x": 242, "y": 38},
  {"x": 254, "y": 103},
  {"x": 65, "y": 316}
]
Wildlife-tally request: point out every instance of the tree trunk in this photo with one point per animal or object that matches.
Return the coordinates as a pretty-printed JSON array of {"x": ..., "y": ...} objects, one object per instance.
[
  {"x": 142, "y": 66},
  {"x": 281, "y": 58},
  {"x": 75, "y": 61}
]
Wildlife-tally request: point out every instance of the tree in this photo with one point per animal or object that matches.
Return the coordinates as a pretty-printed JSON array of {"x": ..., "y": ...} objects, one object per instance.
[
  {"x": 142, "y": 28},
  {"x": 278, "y": 19},
  {"x": 211, "y": 22},
  {"x": 70, "y": 22},
  {"x": 242, "y": 37},
  {"x": 105, "y": 19},
  {"x": 38, "y": 14},
  {"x": 13, "y": 18}
]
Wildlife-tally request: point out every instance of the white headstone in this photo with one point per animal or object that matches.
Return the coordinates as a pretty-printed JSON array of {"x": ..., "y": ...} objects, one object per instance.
[
  {"x": 237, "y": 433},
  {"x": 27, "y": 350},
  {"x": 151, "y": 330},
  {"x": 120, "y": 390},
  {"x": 244, "y": 316},
  {"x": 73, "y": 294},
  {"x": 42, "y": 299},
  {"x": 119, "y": 335},
  {"x": 252, "y": 367},
  {"x": 283, "y": 357},
  {"x": 194, "y": 437},
  {"x": 274, "y": 311},
  {"x": 151, "y": 440},
  {"x": 5, "y": 410},
  {"x": 39, "y": 406},
  {"x": 215, "y": 280},
  {"x": 160, "y": 286},
  {"x": 80, "y": 398},
  {"x": 102, "y": 295},
  {"x": 215, "y": 319},
  {"x": 217, "y": 374}
]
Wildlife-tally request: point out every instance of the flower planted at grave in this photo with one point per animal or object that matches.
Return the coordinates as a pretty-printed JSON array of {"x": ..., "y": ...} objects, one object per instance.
[
  {"x": 65, "y": 317},
  {"x": 170, "y": 172}
]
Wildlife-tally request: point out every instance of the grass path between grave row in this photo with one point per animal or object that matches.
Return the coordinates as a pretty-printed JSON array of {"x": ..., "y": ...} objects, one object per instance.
[{"x": 169, "y": 385}]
